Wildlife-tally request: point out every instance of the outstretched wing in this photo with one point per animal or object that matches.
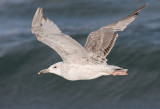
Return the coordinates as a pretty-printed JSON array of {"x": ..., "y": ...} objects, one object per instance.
[
  {"x": 48, "y": 33},
  {"x": 100, "y": 42}
]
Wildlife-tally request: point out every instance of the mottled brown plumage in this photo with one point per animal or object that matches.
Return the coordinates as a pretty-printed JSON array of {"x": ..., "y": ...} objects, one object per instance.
[
  {"x": 100, "y": 42},
  {"x": 80, "y": 63}
]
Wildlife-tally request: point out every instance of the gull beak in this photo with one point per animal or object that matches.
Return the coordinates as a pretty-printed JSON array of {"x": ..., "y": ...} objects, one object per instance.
[{"x": 43, "y": 71}]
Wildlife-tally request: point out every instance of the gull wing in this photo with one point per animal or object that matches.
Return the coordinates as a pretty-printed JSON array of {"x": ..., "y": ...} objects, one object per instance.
[
  {"x": 100, "y": 42},
  {"x": 47, "y": 32}
]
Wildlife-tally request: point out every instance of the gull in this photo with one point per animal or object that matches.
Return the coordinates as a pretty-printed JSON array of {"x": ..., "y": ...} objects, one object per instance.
[{"x": 80, "y": 63}]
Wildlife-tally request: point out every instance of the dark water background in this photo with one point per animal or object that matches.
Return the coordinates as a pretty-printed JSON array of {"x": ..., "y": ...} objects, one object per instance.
[{"x": 22, "y": 56}]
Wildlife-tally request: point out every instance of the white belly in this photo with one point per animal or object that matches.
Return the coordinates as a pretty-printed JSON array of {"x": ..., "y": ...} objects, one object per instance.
[{"x": 83, "y": 72}]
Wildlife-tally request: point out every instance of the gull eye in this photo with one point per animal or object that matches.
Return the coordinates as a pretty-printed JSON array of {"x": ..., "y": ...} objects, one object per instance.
[
  {"x": 118, "y": 69},
  {"x": 55, "y": 66}
]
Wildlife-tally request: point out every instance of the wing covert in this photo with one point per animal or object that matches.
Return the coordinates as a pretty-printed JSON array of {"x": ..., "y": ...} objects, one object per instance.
[
  {"x": 100, "y": 42},
  {"x": 47, "y": 32}
]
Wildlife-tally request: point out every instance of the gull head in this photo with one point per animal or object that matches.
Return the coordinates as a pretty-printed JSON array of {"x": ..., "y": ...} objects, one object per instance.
[{"x": 55, "y": 68}]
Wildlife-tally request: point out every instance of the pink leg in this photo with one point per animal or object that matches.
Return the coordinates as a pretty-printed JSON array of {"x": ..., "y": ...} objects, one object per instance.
[{"x": 120, "y": 72}]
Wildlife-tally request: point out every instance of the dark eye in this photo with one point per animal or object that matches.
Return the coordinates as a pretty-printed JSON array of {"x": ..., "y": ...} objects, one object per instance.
[
  {"x": 118, "y": 69},
  {"x": 55, "y": 66}
]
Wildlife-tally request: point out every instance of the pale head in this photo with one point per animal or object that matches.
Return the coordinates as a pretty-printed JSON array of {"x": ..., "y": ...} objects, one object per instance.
[{"x": 55, "y": 68}]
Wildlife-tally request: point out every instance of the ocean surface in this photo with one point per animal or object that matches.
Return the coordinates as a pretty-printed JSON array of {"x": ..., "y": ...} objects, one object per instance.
[{"x": 22, "y": 56}]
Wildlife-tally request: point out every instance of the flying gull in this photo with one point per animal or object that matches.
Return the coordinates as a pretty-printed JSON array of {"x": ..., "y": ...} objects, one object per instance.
[{"x": 80, "y": 63}]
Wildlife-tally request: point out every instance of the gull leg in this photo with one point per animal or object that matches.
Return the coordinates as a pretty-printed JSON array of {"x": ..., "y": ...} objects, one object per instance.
[{"x": 119, "y": 72}]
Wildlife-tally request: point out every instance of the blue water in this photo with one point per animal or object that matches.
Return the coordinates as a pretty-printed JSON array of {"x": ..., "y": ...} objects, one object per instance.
[{"x": 22, "y": 56}]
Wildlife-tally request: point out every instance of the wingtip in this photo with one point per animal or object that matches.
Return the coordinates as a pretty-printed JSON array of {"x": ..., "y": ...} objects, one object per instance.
[
  {"x": 143, "y": 6},
  {"x": 136, "y": 13},
  {"x": 37, "y": 17}
]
